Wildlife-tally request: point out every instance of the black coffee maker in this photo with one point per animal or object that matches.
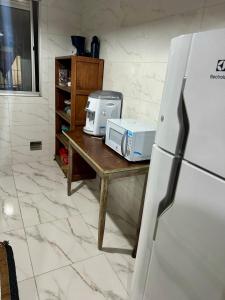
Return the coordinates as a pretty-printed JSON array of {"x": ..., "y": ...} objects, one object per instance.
[
  {"x": 79, "y": 43},
  {"x": 95, "y": 47}
]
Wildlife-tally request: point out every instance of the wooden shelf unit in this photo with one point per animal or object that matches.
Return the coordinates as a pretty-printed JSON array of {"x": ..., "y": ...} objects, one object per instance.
[{"x": 86, "y": 76}]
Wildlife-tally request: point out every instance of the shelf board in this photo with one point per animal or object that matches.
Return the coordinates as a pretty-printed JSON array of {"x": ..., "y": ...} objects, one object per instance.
[
  {"x": 64, "y": 88},
  {"x": 62, "y": 166},
  {"x": 63, "y": 115},
  {"x": 63, "y": 57},
  {"x": 63, "y": 139}
]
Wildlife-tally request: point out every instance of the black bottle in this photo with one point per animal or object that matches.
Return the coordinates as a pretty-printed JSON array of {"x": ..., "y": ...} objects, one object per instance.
[{"x": 95, "y": 47}]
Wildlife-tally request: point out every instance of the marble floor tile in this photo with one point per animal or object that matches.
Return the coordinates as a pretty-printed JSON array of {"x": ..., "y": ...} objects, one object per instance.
[
  {"x": 28, "y": 290},
  {"x": 17, "y": 240},
  {"x": 92, "y": 279},
  {"x": 36, "y": 167},
  {"x": 59, "y": 243},
  {"x": 123, "y": 266},
  {"x": 46, "y": 207},
  {"x": 86, "y": 198},
  {"x": 50, "y": 181},
  {"x": 5, "y": 169},
  {"x": 46, "y": 176},
  {"x": 118, "y": 232},
  {"x": 10, "y": 217},
  {"x": 7, "y": 187},
  {"x": 25, "y": 185}
]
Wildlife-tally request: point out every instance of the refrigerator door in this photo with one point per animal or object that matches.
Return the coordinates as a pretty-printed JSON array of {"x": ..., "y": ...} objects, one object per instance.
[
  {"x": 204, "y": 96},
  {"x": 169, "y": 126},
  {"x": 157, "y": 186},
  {"x": 188, "y": 254}
]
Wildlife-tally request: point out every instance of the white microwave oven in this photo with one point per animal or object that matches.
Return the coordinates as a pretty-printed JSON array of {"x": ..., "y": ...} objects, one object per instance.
[{"x": 133, "y": 139}]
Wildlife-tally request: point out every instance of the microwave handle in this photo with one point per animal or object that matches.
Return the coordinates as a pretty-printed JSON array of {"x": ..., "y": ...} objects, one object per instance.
[{"x": 124, "y": 138}]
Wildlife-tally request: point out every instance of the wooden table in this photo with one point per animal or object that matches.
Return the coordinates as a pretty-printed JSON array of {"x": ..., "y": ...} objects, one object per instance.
[{"x": 108, "y": 165}]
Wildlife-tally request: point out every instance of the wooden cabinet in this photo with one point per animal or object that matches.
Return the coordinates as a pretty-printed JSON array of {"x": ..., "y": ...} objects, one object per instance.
[{"x": 86, "y": 76}]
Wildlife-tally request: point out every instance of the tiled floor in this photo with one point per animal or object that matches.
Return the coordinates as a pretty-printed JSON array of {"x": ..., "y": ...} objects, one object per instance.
[{"x": 54, "y": 237}]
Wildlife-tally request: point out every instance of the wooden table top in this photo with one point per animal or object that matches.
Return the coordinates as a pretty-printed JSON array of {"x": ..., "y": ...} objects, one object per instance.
[{"x": 102, "y": 158}]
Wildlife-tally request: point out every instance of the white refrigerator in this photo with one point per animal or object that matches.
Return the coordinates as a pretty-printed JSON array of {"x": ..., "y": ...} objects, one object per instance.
[{"x": 181, "y": 253}]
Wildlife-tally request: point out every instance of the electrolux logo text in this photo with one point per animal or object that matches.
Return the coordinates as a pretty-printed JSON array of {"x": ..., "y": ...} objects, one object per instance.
[{"x": 220, "y": 67}]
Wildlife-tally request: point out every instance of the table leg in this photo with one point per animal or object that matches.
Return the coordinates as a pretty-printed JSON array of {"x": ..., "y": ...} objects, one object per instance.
[
  {"x": 70, "y": 170},
  {"x": 102, "y": 211},
  {"x": 134, "y": 252}
]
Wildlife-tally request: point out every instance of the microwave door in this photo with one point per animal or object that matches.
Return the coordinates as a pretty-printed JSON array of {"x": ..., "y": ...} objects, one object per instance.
[{"x": 124, "y": 142}]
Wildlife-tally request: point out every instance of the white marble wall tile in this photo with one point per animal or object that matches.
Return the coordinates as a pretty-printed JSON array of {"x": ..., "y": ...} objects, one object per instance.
[
  {"x": 5, "y": 155},
  {"x": 25, "y": 100},
  {"x": 28, "y": 114},
  {"x": 61, "y": 243},
  {"x": 5, "y": 138},
  {"x": 213, "y": 17},
  {"x": 17, "y": 240},
  {"x": 43, "y": 17},
  {"x": 59, "y": 45},
  {"x": 71, "y": 21},
  {"x": 23, "y": 154},
  {"x": 143, "y": 81},
  {"x": 67, "y": 5},
  {"x": 44, "y": 71},
  {"x": 139, "y": 12},
  {"x": 44, "y": 53},
  {"x": 51, "y": 68},
  {"x": 125, "y": 197},
  {"x": 148, "y": 111},
  {"x": 4, "y": 115},
  {"x": 93, "y": 280},
  {"x": 147, "y": 42},
  {"x": 105, "y": 16},
  {"x": 27, "y": 290},
  {"x": 44, "y": 89},
  {"x": 213, "y": 2},
  {"x": 3, "y": 99},
  {"x": 23, "y": 135},
  {"x": 52, "y": 149},
  {"x": 5, "y": 168}
]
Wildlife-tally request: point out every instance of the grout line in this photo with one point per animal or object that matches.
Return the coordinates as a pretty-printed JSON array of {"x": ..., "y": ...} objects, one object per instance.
[
  {"x": 68, "y": 265},
  {"x": 114, "y": 271},
  {"x": 32, "y": 268}
]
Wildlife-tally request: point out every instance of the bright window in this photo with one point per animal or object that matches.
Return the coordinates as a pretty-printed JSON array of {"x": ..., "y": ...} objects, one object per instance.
[{"x": 19, "y": 45}]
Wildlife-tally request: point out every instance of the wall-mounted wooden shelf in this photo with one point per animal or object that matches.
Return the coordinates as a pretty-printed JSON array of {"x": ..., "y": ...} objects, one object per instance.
[{"x": 86, "y": 76}]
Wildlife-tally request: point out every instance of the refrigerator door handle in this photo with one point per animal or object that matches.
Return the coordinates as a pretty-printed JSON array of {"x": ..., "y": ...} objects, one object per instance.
[
  {"x": 167, "y": 201},
  {"x": 184, "y": 123}
]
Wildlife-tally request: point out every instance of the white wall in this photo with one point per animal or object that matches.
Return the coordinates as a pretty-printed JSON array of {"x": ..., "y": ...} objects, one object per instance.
[
  {"x": 23, "y": 119},
  {"x": 135, "y": 37}
]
